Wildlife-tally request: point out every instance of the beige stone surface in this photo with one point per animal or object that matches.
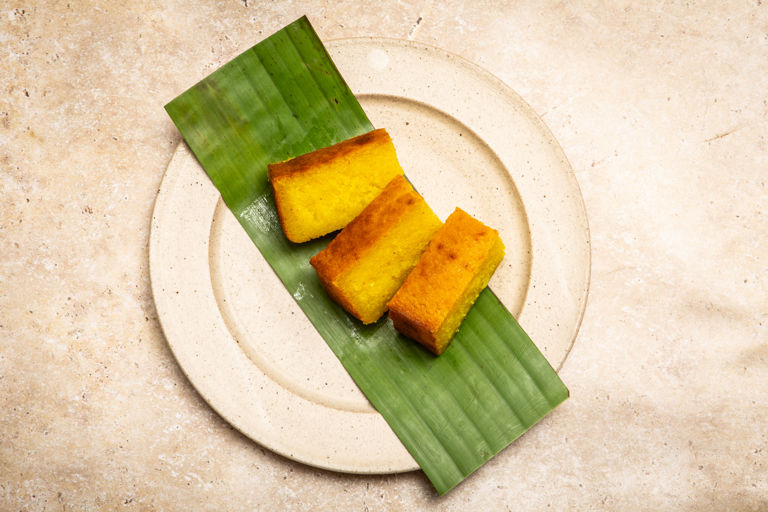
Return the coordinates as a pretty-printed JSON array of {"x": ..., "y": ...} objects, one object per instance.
[{"x": 662, "y": 108}]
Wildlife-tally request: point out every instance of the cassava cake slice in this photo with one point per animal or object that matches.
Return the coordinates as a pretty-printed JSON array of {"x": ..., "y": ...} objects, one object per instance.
[
  {"x": 362, "y": 268},
  {"x": 322, "y": 191},
  {"x": 451, "y": 273}
]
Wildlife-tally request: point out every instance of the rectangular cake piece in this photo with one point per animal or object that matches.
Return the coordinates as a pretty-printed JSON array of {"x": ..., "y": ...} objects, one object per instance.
[
  {"x": 451, "y": 273},
  {"x": 362, "y": 268},
  {"x": 322, "y": 191}
]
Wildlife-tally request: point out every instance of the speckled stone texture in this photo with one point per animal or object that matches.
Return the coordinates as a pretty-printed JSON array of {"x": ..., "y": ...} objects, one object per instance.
[{"x": 662, "y": 108}]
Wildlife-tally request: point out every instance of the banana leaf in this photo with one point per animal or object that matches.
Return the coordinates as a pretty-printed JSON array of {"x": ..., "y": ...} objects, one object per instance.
[{"x": 284, "y": 97}]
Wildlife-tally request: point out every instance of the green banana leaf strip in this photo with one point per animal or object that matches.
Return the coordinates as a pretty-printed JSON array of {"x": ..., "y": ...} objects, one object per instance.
[{"x": 285, "y": 97}]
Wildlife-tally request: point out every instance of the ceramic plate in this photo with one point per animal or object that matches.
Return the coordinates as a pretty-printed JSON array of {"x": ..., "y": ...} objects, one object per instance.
[{"x": 464, "y": 139}]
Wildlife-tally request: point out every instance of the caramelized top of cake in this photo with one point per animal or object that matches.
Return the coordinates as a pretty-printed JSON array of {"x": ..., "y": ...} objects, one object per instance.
[
  {"x": 447, "y": 267},
  {"x": 325, "y": 155},
  {"x": 432, "y": 302}
]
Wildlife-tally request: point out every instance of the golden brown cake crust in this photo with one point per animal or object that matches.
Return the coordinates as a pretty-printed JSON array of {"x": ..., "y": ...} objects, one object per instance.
[
  {"x": 444, "y": 271},
  {"x": 351, "y": 244},
  {"x": 321, "y": 156}
]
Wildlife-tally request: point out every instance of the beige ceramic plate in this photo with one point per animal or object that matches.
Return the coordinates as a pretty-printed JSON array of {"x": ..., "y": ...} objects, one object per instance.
[{"x": 464, "y": 139}]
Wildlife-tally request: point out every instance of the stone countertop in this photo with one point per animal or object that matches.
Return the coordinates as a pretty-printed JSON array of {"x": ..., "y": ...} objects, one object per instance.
[{"x": 662, "y": 109}]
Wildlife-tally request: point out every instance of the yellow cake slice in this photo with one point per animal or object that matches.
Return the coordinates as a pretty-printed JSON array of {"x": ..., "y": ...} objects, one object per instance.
[
  {"x": 451, "y": 273},
  {"x": 322, "y": 191},
  {"x": 362, "y": 268}
]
